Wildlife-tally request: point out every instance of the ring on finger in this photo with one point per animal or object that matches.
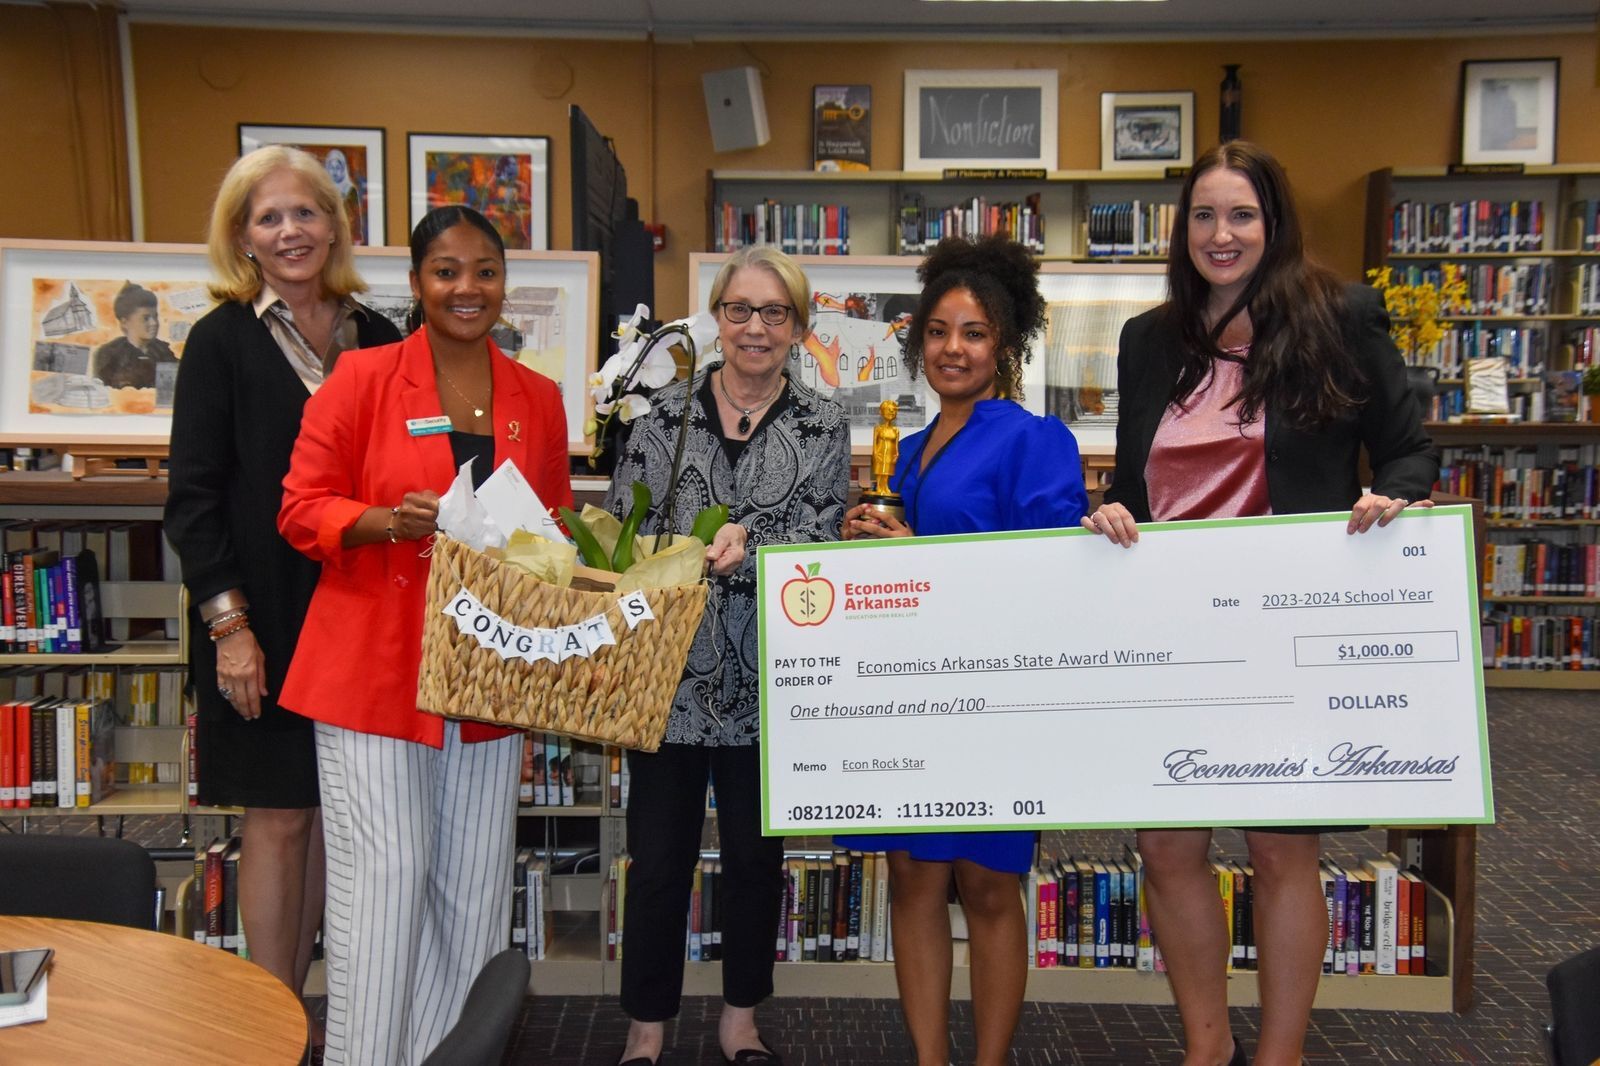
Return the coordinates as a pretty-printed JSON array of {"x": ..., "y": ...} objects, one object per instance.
[{"x": 225, "y": 692}]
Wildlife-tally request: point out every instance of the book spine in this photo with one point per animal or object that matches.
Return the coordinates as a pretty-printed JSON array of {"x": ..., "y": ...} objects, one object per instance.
[
  {"x": 852, "y": 950},
  {"x": 230, "y": 899},
  {"x": 8, "y": 755},
  {"x": 24, "y": 749},
  {"x": 881, "y": 947},
  {"x": 1419, "y": 924},
  {"x": 66, "y": 756},
  {"x": 69, "y": 567},
  {"x": 841, "y": 907},
  {"x": 813, "y": 883},
  {"x": 81, "y": 765}
]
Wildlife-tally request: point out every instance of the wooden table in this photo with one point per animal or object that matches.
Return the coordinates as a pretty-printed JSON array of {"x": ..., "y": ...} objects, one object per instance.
[{"x": 135, "y": 997}]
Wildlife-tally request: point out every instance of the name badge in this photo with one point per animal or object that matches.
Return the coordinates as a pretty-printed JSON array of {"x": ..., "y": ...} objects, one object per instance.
[{"x": 427, "y": 427}]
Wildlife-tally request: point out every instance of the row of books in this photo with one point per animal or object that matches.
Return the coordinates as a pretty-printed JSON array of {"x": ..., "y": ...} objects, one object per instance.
[
  {"x": 123, "y": 551},
  {"x": 214, "y": 901},
  {"x": 56, "y": 753},
  {"x": 1508, "y": 289},
  {"x": 27, "y": 458},
  {"x": 530, "y": 903},
  {"x": 1131, "y": 228},
  {"x": 1418, "y": 228},
  {"x": 558, "y": 771},
  {"x": 1583, "y": 345},
  {"x": 798, "y": 229},
  {"x": 1532, "y": 637},
  {"x": 44, "y": 600},
  {"x": 922, "y": 226},
  {"x": 1586, "y": 289},
  {"x": 1522, "y": 347},
  {"x": 140, "y": 695},
  {"x": 1526, "y": 482},
  {"x": 834, "y": 908},
  {"x": 1585, "y": 225},
  {"x": 1542, "y": 566},
  {"x": 1081, "y": 912},
  {"x": 1091, "y": 914}
]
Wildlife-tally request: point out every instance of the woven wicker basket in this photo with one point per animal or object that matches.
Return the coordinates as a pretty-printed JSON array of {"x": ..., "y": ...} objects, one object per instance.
[{"x": 621, "y": 695}]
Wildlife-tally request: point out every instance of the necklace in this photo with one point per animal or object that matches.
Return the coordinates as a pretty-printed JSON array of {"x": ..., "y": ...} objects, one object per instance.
[
  {"x": 746, "y": 412},
  {"x": 477, "y": 412}
]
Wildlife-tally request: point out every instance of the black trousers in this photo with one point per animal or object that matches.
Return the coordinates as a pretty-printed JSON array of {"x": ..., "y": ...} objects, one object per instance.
[{"x": 666, "y": 811}]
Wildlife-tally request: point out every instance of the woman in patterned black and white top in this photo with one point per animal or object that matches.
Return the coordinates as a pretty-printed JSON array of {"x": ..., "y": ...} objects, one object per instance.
[{"x": 778, "y": 455}]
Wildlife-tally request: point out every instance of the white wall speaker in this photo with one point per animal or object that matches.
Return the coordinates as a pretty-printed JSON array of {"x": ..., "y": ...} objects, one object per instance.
[{"x": 737, "y": 109}]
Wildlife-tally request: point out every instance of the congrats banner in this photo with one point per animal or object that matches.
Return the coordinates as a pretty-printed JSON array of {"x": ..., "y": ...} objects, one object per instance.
[{"x": 1250, "y": 672}]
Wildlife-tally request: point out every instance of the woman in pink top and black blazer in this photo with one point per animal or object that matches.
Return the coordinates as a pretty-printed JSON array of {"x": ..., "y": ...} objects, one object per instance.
[{"x": 1253, "y": 391}]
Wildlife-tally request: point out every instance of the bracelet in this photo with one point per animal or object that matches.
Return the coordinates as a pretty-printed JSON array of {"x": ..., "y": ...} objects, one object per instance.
[
  {"x": 394, "y": 513},
  {"x": 227, "y": 616},
  {"x": 228, "y": 629}
]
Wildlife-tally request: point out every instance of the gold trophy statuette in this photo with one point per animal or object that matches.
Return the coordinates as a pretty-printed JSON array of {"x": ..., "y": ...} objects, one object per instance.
[{"x": 880, "y": 499}]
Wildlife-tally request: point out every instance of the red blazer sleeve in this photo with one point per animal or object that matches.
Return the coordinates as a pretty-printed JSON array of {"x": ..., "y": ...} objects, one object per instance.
[{"x": 319, "y": 493}]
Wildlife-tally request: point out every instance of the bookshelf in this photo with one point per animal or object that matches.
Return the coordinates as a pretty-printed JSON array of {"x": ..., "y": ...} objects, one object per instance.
[
  {"x": 1527, "y": 242},
  {"x": 53, "y": 495},
  {"x": 1065, "y": 200}
]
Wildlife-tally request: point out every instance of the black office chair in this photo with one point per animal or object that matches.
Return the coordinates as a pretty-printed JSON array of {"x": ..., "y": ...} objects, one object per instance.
[
  {"x": 479, "y": 1038},
  {"x": 1574, "y": 1033},
  {"x": 88, "y": 879}
]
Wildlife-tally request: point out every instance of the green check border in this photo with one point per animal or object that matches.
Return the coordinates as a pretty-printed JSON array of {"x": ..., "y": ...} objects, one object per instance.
[{"x": 1459, "y": 512}]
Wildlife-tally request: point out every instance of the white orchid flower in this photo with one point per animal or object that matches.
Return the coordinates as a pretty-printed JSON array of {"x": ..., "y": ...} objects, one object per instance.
[
  {"x": 630, "y": 329},
  {"x": 632, "y": 406}
]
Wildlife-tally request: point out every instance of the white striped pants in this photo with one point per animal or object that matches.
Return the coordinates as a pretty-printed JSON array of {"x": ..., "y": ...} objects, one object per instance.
[{"x": 420, "y": 843}]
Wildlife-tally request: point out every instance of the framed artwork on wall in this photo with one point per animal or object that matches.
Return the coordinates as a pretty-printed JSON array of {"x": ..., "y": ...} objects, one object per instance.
[
  {"x": 862, "y": 305},
  {"x": 980, "y": 118},
  {"x": 1146, "y": 131},
  {"x": 1508, "y": 111},
  {"x": 90, "y": 338},
  {"x": 506, "y": 178},
  {"x": 354, "y": 160},
  {"x": 92, "y": 333}
]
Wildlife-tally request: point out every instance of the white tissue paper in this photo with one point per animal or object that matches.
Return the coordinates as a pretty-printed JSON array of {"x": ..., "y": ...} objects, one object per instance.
[
  {"x": 486, "y": 518},
  {"x": 513, "y": 504},
  {"x": 463, "y": 516}
]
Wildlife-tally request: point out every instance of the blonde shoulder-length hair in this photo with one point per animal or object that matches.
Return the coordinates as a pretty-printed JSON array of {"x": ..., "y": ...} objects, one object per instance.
[{"x": 239, "y": 278}]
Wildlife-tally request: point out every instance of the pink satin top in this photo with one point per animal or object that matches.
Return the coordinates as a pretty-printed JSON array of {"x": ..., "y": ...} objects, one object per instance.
[{"x": 1203, "y": 463}]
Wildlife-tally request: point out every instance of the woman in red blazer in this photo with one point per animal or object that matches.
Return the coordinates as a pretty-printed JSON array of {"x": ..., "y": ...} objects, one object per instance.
[{"x": 419, "y": 812}]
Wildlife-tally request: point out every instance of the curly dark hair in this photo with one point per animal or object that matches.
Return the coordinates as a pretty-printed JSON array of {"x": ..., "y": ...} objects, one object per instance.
[{"x": 1004, "y": 279}]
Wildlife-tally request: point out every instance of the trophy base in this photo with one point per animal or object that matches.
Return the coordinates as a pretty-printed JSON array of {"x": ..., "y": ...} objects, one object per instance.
[{"x": 885, "y": 505}]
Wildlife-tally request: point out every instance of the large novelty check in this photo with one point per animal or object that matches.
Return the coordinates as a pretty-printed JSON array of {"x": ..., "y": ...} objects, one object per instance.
[{"x": 1265, "y": 671}]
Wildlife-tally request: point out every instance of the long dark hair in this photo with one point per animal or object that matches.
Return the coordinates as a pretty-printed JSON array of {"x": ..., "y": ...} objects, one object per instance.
[
  {"x": 1299, "y": 362},
  {"x": 428, "y": 229},
  {"x": 1004, "y": 279}
]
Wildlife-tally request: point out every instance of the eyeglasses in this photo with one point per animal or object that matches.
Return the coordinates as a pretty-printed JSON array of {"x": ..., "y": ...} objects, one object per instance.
[{"x": 771, "y": 314}]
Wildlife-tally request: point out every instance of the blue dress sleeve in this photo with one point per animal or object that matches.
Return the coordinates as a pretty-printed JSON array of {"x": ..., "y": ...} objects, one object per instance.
[{"x": 1046, "y": 478}]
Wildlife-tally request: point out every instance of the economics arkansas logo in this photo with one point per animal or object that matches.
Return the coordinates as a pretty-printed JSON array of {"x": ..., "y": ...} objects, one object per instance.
[{"x": 808, "y": 599}]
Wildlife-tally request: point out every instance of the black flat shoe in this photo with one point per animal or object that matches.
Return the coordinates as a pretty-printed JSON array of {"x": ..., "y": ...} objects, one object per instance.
[
  {"x": 1239, "y": 1057},
  {"x": 762, "y": 1056}
]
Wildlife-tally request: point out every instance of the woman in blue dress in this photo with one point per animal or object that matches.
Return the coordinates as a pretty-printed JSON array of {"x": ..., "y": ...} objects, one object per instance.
[{"x": 984, "y": 464}]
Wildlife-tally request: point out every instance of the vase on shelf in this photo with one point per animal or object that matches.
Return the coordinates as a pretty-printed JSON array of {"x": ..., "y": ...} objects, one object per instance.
[{"x": 1232, "y": 98}]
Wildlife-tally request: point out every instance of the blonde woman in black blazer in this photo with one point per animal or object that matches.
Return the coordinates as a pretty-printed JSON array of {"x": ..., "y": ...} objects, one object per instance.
[
  {"x": 285, "y": 280},
  {"x": 1252, "y": 391}
]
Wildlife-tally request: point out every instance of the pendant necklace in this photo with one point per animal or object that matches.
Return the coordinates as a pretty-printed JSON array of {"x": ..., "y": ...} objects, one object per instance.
[
  {"x": 477, "y": 412},
  {"x": 746, "y": 412}
]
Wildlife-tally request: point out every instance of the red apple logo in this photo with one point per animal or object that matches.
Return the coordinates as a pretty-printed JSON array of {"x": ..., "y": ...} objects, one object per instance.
[{"x": 808, "y": 599}]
